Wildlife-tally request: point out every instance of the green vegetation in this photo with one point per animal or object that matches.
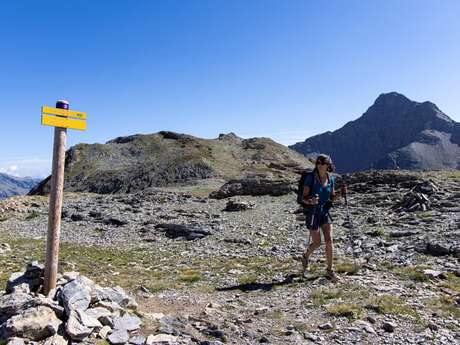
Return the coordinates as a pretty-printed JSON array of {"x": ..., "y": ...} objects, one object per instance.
[
  {"x": 389, "y": 304},
  {"x": 323, "y": 295},
  {"x": 247, "y": 279},
  {"x": 414, "y": 273},
  {"x": 445, "y": 306},
  {"x": 32, "y": 215},
  {"x": 127, "y": 268},
  {"x": 376, "y": 232},
  {"x": 451, "y": 282},
  {"x": 350, "y": 310},
  {"x": 190, "y": 276},
  {"x": 346, "y": 267}
]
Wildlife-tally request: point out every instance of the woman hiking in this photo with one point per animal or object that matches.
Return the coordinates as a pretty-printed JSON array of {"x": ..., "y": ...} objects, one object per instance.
[{"x": 318, "y": 194}]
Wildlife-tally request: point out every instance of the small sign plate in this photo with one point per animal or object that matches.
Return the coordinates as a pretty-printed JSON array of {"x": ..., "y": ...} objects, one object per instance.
[{"x": 63, "y": 118}]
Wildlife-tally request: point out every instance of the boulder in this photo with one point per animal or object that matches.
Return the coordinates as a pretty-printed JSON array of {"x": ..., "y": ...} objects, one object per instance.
[
  {"x": 98, "y": 312},
  {"x": 4, "y": 248},
  {"x": 182, "y": 231},
  {"x": 160, "y": 338},
  {"x": 119, "y": 336},
  {"x": 19, "y": 278},
  {"x": 235, "y": 206},
  {"x": 34, "y": 270},
  {"x": 389, "y": 326},
  {"x": 56, "y": 340},
  {"x": 15, "y": 303},
  {"x": 120, "y": 297},
  {"x": 16, "y": 341},
  {"x": 75, "y": 327},
  {"x": 104, "y": 332},
  {"x": 127, "y": 322},
  {"x": 76, "y": 294},
  {"x": 35, "y": 324},
  {"x": 437, "y": 249},
  {"x": 137, "y": 340}
]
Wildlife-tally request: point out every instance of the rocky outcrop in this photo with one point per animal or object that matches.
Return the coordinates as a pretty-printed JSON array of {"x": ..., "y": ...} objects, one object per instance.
[
  {"x": 133, "y": 163},
  {"x": 254, "y": 187},
  {"x": 77, "y": 310},
  {"x": 394, "y": 133}
]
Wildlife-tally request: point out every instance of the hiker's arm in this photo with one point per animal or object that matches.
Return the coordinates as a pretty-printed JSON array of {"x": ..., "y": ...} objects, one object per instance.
[{"x": 306, "y": 196}]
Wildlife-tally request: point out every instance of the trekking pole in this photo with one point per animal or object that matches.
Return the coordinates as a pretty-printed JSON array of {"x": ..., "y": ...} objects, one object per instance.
[{"x": 350, "y": 233}]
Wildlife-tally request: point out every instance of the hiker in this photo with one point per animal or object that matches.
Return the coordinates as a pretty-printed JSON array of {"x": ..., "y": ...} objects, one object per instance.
[{"x": 318, "y": 195}]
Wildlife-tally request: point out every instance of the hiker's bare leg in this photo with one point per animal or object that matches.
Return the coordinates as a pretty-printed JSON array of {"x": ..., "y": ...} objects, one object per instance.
[
  {"x": 327, "y": 232},
  {"x": 315, "y": 243}
]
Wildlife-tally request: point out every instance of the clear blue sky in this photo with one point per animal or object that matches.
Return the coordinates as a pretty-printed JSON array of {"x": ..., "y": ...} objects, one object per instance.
[{"x": 282, "y": 69}]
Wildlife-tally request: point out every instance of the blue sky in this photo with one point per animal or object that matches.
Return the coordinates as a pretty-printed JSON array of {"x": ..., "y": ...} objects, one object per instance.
[{"x": 282, "y": 69}]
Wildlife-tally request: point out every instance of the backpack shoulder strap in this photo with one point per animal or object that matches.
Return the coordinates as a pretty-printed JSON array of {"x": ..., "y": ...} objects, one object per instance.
[{"x": 312, "y": 184}]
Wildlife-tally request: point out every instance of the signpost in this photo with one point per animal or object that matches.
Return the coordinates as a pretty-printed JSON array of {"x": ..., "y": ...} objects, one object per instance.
[{"x": 61, "y": 118}]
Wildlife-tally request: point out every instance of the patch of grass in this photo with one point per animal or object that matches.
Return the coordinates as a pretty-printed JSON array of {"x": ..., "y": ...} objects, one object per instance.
[
  {"x": 452, "y": 282},
  {"x": 302, "y": 327},
  {"x": 424, "y": 214},
  {"x": 247, "y": 279},
  {"x": 160, "y": 285},
  {"x": 414, "y": 273},
  {"x": 389, "y": 304},
  {"x": 190, "y": 276},
  {"x": 445, "y": 306},
  {"x": 32, "y": 215},
  {"x": 128, "y": 268},
  {"x": 323, "y": 295},
  {"x": 376, "y": 232},
  {"x": 346, "y": 267},
  {"x": 350, "y": 310},
  {"x": 387, "y": 265},
  {"x": 101, "y": 342}
]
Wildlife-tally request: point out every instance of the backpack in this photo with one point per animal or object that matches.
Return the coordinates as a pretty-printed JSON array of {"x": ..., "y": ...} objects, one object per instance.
[{"x": 300, "y": 186}]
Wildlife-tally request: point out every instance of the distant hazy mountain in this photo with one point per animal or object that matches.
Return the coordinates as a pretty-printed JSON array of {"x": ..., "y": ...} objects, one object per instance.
[
  {"x": 10, "y": 185},
  {"x": 132, "y": 163},
  {"x": 394, "y": 133}
]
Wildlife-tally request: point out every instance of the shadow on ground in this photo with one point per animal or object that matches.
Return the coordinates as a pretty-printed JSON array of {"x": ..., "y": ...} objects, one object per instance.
[{"x": 255, "y": 286}]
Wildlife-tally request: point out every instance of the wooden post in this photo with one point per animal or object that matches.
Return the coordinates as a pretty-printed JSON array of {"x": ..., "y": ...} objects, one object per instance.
[{"x": 54, "y": 215}]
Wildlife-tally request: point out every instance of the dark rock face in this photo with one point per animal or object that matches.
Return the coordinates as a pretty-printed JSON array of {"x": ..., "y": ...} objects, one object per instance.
[
  {"x": 394, "y": 133},
  {"x": 10, "y": 185},
  {"x": 254, "y": 187},
  {"x": 134, "y": 163}
]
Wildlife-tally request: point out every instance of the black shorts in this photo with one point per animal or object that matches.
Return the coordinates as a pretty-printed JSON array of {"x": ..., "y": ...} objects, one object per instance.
[{"x": 314, "y": 219}]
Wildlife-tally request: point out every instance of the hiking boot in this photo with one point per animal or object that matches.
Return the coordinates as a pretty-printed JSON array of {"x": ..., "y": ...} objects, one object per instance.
[
  {"x": 305, "y": 267},
  {"x": 332, "y": 276}
]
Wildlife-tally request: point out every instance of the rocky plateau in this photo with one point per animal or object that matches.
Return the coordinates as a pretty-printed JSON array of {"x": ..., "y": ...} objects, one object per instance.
[{"x": 214, "y": 270}]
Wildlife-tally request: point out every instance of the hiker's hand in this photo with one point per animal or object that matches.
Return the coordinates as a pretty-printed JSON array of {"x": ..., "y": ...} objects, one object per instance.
[
  {"x": 343, "y": 190},
  {"x": 312, "y": 201}
]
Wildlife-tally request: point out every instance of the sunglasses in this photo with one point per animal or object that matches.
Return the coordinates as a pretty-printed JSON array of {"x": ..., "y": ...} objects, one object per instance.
[{"x": 322, "y": 163}]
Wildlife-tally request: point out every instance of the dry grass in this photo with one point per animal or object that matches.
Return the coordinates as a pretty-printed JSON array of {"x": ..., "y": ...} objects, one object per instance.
[
  {"x": 350, "y": 310},
  {"x": 445, "y": 306}
]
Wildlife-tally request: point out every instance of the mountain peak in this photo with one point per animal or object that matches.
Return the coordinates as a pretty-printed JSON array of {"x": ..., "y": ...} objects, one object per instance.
[
  {"x": 392, "y": 99},
  {"x": 393, "y": 129}
]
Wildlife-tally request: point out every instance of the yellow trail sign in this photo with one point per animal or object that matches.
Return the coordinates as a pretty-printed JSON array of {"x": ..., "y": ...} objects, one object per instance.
[{"x": 63, "y": 118}]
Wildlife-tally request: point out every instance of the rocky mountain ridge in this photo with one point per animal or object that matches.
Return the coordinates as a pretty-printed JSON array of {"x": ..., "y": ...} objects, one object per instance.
[
  {"x": 394, "y": 133},
  {"x": 12, "y": 185},
  {"x": 133, "y": 163}
]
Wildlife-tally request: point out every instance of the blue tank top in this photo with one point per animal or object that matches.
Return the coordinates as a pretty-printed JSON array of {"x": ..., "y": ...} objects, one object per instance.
[{"x": 324, "y": 192}]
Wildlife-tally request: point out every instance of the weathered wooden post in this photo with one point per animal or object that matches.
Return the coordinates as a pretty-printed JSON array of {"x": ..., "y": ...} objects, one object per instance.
[{"x": 61, "y": 118}]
